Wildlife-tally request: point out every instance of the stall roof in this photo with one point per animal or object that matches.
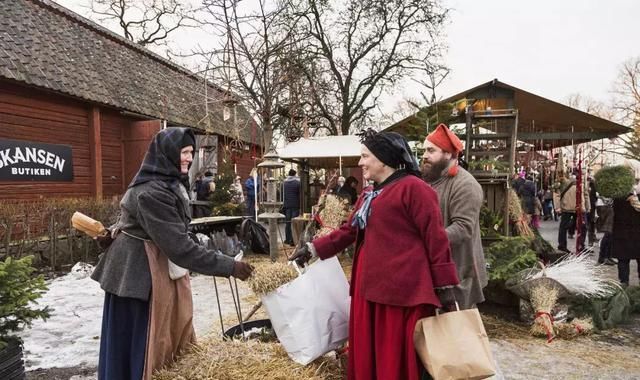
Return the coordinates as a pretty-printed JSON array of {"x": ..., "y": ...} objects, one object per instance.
[
  {"x": 324, "y": 151},
  {"x": 539, "y": 119}
]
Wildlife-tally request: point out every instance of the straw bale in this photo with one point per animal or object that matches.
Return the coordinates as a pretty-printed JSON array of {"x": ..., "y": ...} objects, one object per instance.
[
  {"x": 239, "y": 360},
  {"x": 268, "y": 277}
]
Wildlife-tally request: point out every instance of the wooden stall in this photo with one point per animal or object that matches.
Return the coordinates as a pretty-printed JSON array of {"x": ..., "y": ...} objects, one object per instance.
[{"x": 500, "y": 124}]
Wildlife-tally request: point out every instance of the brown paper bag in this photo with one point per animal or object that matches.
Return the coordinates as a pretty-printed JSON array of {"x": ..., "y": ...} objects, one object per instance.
[
  {"x": 89, "y": 226},
  {"x": 454, "y": 345}
]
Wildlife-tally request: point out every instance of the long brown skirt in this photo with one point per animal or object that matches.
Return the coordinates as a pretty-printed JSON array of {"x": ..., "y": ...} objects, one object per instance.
[{"x": 170, "y": 314}]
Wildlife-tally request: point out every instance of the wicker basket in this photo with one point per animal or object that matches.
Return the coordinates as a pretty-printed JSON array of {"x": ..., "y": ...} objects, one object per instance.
[{"x": 521, "y": 287}]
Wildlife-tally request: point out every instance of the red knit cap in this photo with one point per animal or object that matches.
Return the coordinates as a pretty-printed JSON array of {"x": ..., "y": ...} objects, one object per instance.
[{"x": 445, "y": 139}]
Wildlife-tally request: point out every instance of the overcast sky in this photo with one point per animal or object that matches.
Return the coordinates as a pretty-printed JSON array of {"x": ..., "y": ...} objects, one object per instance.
[{"x": 552, "y": 48}]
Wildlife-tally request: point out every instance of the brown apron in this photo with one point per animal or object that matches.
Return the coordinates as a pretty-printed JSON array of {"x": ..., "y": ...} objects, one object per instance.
[{"x": 170, "y": 328}]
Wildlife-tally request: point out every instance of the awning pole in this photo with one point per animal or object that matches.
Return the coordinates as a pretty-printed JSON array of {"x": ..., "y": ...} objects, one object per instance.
[{"x": 340, "y": 160}]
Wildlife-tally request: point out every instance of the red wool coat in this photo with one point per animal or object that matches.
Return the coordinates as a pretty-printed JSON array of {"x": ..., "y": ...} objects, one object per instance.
[{"x": 403, "y": 252}]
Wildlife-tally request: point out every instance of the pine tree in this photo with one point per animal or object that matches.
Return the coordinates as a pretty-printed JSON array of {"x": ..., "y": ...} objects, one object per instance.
[
  {"x": 19, "y": 291},
  {"x": 222, "y": 195}
]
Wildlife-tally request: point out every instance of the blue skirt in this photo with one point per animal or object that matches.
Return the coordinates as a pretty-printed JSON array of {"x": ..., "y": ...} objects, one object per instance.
[{"x": 123, "y": 341}]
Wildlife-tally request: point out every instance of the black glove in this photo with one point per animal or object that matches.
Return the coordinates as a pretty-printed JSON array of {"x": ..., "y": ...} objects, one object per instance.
[
  {"x": 104, "y": 241},
  {"x": 242, "y": 270},
  {"x": 302, "y": 255}
]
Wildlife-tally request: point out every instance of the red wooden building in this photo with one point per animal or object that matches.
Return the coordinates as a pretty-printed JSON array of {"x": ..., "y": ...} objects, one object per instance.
[{"x": 92, "y": 100}]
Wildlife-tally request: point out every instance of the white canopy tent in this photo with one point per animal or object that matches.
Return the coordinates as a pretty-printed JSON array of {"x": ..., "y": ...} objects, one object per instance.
[
  {"x": 324, "y": 152},
  {"x": 321, "y": 152}
]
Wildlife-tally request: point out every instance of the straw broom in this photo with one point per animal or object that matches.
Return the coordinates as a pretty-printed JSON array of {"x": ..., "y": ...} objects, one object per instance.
[
  {"x": 517, "y": 215},
  {"x": 580, "y": 276},
  {"x": 543, "y": 298}
]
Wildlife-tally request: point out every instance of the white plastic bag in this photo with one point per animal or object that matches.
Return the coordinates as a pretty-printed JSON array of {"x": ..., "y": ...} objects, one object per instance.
[{"x": 310, "y": 315}]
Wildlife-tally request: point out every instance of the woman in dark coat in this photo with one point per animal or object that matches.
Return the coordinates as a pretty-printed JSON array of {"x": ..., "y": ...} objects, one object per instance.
[
  {"x": 625, "y": 244},
  {"x": 147, "y": 317},
  {"x": 402, "y": 256}
]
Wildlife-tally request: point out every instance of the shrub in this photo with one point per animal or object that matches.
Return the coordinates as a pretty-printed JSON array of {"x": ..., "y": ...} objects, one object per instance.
[
  {"x": 614, "y": 181},
  {"x": 19, "y": 292},
  {"x": 509, "y": 256}
]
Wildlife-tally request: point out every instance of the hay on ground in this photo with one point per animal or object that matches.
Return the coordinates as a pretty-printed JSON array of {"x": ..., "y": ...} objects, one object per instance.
[{"x": 238, "y": 360}]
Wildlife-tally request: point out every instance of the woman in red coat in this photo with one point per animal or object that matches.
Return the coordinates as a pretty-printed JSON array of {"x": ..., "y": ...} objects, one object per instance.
[{"x": 402, "y": 256}]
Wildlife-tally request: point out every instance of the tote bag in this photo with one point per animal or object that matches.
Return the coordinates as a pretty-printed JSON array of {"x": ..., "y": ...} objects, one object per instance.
[{"x": 454, "y": 345}]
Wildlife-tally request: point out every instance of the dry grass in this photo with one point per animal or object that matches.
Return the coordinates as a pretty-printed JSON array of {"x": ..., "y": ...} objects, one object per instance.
[
  {"x": 268, "y": 277},
  {"x": 237, "y": 360},
  {"x": 498, "y": 328},
  {"x": 334, "y": 211}
]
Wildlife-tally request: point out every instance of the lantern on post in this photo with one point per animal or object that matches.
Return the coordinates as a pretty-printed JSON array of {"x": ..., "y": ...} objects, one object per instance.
[{"x": 271, "y": 172}]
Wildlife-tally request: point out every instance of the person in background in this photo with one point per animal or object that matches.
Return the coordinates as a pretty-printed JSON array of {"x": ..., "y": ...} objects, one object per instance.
[
  {"x": 401, "y": 258},
  {"x": 565, "y": 203},
  {"x": 147, "y": 315},
  {"x": 291, "y": 204},
  {"x": 203, "y": 191},
  {"x": 517, "y": 181},
  {"x": 349, "y": 190},
  {"x": 236, "y": 191},
  {"x": 337, "y": 188},
  {"x": 604, "y": 224},
  {"x": 527, "y": 194},
  {"x": 460, "y": 199},
  {"x": 252, "y": 189},
  {"x": 535, "y": 219},
  {"x": 591, "y": 216},
  {"x": 625, "y": 240},
  {"x": 547, "y": 204}
]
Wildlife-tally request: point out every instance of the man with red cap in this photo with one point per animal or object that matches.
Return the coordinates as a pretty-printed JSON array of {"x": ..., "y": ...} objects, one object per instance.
[{"x": 460, "y": 197}]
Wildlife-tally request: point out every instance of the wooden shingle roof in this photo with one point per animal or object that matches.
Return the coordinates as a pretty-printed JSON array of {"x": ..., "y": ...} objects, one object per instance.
[{"x": 45, "y": 45}]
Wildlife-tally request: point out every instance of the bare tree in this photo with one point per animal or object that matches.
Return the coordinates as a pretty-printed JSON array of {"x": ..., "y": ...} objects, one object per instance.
[
  {"x": 253, "y": 63},
  {"x": 626, "y": 102},
  {"x": 145, "y": 22},
  {"x": 362, "y": 48}
]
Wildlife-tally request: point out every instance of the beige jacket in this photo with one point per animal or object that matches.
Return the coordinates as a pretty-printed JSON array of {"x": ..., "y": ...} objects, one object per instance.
[{"x": 568, "y": 201}]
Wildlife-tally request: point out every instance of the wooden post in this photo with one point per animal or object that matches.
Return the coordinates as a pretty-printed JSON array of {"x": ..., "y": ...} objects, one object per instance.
[{"x": 95, "y": 146}]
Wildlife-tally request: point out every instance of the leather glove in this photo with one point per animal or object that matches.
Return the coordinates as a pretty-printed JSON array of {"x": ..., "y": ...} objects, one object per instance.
[
  {"x": 242, "y": 270},
  {"x": 302, "y": 255},
  {"x": 104, "y": 241}
]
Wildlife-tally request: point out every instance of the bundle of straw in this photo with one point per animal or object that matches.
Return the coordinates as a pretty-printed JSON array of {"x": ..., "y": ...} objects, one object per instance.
[
  {"x": 517, "y": 215},
  {"x": 334, "y": 211},
  {"x": 570, "y": 330},
  {"x": 580, "y": 275},
  {"x": 270, "y": 276},
  {"x": 238, "y": 360},
  {"x": 543, "y": 298}
]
